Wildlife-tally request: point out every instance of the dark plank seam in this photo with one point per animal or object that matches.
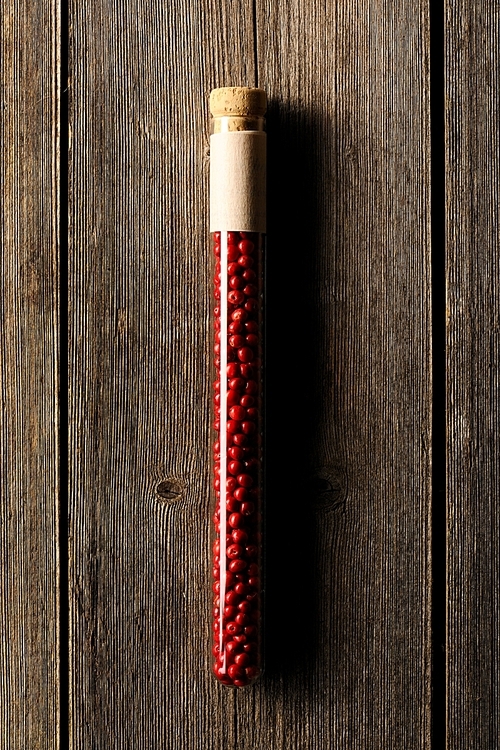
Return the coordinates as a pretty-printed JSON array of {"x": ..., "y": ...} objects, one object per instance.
[
  {"x": 64, "y": 682},
  {"x": 255, "y": 44},
  {"x": 438, "y": 212}
]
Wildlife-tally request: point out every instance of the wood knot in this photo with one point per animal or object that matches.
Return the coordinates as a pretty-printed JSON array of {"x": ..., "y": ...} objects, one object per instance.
[
  {"x": 169, "y": 490},
  {"x": 327, "y": 487}
]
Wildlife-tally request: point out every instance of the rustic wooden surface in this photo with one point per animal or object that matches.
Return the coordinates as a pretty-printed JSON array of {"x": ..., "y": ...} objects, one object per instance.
[
  {"x": 473, "y": 278},
  {"x": 140, "y": 375},
  {"x": 29, "y": 590},
  {"x": 349, "y": 376},
  {"x": 349, "y": 384}
]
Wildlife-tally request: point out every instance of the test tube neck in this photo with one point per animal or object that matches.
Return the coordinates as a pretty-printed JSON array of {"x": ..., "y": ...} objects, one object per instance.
[{"x": 237, "y": 109}]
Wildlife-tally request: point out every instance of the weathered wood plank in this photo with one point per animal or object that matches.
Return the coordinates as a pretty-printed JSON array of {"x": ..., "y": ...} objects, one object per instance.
[
  {"x": 349, "y": 378},
  {"x": 140, "y": 383},
  {"x": 29, "y": 563},
  {"x": 348, "y": 624},
  {"x": 473, "y": 354}
]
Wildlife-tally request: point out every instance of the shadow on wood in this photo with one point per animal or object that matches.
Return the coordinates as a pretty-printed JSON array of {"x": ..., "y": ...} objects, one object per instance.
[{"x": 300, "y": 489}]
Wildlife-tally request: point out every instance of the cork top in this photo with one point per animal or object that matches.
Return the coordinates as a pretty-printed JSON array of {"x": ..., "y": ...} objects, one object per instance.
[{"x": 238, "y": 101}]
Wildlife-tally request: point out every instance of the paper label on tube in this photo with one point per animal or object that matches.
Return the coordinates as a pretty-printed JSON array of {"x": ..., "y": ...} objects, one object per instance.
[{"x": 238, "y": 182}]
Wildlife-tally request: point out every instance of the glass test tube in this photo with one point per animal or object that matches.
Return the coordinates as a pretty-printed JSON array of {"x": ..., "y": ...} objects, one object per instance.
[{"x": 237, "y": 222}]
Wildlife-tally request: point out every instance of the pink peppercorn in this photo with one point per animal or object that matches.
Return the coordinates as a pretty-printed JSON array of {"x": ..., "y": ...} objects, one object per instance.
[
  {"x": 236, "y": 566},
  {"x": 233, "y": 426},
  {"x": 236, "y": 453},
  {"x": 236, "y": 341},
  {"x": 246, "y": 247},
  {"x": 235, "y": 521},
  {"x": 247, "y": 371},
  {"x": 231, "y": 504},
  {"x": 232, "y": 647},
  {"x": 235, "y": 327},
  {"x": 245, "y": 480},
  {"x": 240, "y": 439},
  {"x": 251, "y": 387},
  {"x": 238, "y": 413},
  {"x": 242, "y": 660},
  {"x": 237, "y": 282},
  {"x": 237, "y": 384},
  {"x": 232, "y": 269},
  {"x": 236, "y": 297},
  {"x": 235, "y": 467},
  {"x": 245, "y": 354},
  {"x": 236, "y": 626},
  {"x": 239, "y": 536},
  {"x": 233, "y": 370},
  {"x": 233, "y": 397},
  {"x": 239, "y": 314},
  {"x": 234, "y": 671},
  {"x": 234, "y": 550},
  {"x": 242, "y": 620},
  {"x": 246, "y": 261}
]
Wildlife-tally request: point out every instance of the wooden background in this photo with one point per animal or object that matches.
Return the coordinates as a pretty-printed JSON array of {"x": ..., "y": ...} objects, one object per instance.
[{"x": 383, "y": 520}]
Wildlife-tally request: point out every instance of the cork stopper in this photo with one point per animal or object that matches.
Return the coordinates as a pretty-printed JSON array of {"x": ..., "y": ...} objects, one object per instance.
[
  {"x": 238, "y": 101},
  {"x": 238, "y": 160}
]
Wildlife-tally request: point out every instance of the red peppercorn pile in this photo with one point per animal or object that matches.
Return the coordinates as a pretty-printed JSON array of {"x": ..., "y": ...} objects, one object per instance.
[{"x": 237, "y": 555}]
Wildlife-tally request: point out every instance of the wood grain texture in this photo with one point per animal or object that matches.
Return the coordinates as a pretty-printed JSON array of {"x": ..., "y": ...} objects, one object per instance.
[
  {"x": 348, "y": 376},
  {"x": 473, "y": 283},
  {"x": 29, "y": 565},
  {"x": 140, "y": 383},
  {"x": 349, "y": 252}
]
